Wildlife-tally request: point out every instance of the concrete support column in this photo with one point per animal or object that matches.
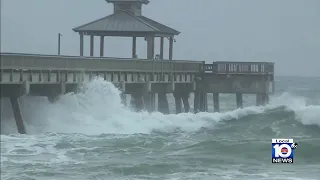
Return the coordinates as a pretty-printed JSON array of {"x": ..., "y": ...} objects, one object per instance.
[
  {"x": 265, "y": 98},
  {"x": 258, "y": 99},
  {"x": 152, "y": 101},
  {"x": 122, "y": 87},
  {"x": 149, "y": 101},
  {"x": 185, "y": 100},
  {"x": 56, "y": 92},
  {"x": 163, "y": 105},
  {"x": 216, "y": 103},
  {"x": 81, "y": 44},
  {"x": 63, "y": 89},
  {"x": 239, "y": 100},
  {"x": 196, "y": 103},
  {"x": 203, "y": 102},
  {"x": 170, "y": 56},
  {"x": 91, "y": 45},
  {"x": 262, "y": 99},
  {"x": 178, "y": 102},
  {"x": 17, "y": 114},
  {"x": 101, "y": 46},
  {"x": 134, "y": 47},
  {"x": 137, "y": 102},
  {"x": 52, "y": 98},
  {"x": 161, "y": 57},
  {"x": 150, "y": 47},
  {"x": 25, "y": 87}
]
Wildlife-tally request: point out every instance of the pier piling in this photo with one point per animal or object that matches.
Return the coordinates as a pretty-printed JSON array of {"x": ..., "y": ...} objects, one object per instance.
[
  {"x": 137, "y": 101},
  {"x": 203, "y": 102},
  {"x": 216, "y": 103},
  {"x": 163, "y": 105},
  {"x": 52, "y": 98},
  {"x": 149, "y": 101},
  {"x": 178, "y": 102},
  {"x": 185, "y": 100},
  {"x": 262, "y": 99},
  {"x": 239, "y": 100},
  {"x": 17, "y": 114},
  {"x": 196, "y": 102}
]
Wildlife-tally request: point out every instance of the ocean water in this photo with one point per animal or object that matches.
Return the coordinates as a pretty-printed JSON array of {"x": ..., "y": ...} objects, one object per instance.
[{"x": 91, "y": 135}]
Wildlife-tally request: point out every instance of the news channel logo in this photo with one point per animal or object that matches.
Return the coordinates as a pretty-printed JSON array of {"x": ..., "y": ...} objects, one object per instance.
[{"x": 283, "y": 150}]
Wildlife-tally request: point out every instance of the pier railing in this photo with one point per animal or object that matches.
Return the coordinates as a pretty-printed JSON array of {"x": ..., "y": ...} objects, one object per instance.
[
  {"x": 79, "y": 63},
  {"x": 227, "y": 67},
  {"x": 52, "y": 62}
]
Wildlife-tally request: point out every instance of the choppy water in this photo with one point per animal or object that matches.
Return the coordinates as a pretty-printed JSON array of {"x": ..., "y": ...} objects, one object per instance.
[{"x": 91, "y": 135}]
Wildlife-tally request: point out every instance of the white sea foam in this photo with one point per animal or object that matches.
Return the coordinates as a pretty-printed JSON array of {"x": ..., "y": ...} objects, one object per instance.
[{"x": 307, "y": 114}]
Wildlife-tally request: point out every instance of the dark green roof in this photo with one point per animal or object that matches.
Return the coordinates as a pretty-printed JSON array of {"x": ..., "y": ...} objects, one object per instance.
[{"x": 124, "y": 22}]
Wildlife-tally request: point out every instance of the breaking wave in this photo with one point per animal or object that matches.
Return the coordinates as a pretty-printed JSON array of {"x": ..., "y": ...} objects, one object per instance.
[{"x": 97, "y": 109}]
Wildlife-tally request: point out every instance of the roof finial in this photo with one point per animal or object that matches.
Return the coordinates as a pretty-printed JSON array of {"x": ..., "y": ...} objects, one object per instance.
[
  {"x": 129, "y": 1},
  {"x": 132, "y": 6}
]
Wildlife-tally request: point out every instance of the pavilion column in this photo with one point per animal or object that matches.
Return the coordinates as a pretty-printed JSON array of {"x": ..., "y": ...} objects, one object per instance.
[
  {"x": 150, "y": 53},
  {"x": 81, "y": 44},
  {"x": 161, "y": 56},
  {"x": 91, "y": 45},
  {"x": 134, "y": 47},
  {"x": 101, "y": 45},
  {"x": 150, "y": 47},
  {"x": 170, "y": 55}
]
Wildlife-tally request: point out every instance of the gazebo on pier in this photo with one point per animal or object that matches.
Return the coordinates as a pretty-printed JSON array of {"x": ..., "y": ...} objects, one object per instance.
[{"x": 127, "y": 21}]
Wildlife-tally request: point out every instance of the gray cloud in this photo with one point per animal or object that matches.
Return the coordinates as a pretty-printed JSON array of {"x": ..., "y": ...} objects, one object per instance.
[{"x": 286, "y": 32}]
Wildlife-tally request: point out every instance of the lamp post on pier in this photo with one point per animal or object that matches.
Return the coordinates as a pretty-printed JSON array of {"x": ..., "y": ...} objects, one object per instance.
[{"x": 59, "y": 42}]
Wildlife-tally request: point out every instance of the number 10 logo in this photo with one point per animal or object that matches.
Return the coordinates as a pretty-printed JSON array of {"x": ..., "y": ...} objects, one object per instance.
[{"x": 283, "y": 150}]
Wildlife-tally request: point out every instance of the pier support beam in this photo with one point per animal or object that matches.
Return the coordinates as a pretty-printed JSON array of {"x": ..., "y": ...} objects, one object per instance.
[
  {"x": 239, "y": 100},
  {"x": 60, "y": 89},
  {"x": 200, "y": 102},
  {"x": 52, "y": 98},
  {"x": 216, "y": 103},
  {"x": 149, "y": 101},
  {"x": 185, "y": 100},
  {"x": 196, "y": 102},
  {"x": 122, "y": 87},
  {"x": 262, "y": 99},
  {"x": 163, "y": 105},
  {"x": 203, "y": 102},
  {"x": 17, "y": 114},
  {"x": 178, "y": 103},
  {"x": 137, "y": 102},
  {"x": 181, "y": 97}
]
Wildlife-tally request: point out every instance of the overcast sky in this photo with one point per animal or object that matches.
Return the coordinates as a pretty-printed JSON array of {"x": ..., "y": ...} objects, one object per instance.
[{"x": 286, "y": 32}]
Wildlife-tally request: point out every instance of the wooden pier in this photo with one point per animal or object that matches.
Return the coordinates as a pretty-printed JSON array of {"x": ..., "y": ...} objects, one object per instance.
[{"x": 143, "y": 79}]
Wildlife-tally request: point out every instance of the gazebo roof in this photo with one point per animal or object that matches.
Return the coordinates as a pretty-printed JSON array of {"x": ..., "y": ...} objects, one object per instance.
[{"x": 123, "y": 23}]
